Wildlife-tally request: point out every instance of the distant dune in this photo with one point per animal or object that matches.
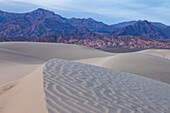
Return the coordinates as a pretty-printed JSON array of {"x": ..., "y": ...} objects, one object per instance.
[
  {"x": 47, "y": 51},
  {"x": 164, "y": 53},
  {"x": 32, "y": 81},
  {"x": 139, "y": 63},
  {"x": 15, "y": 65}
]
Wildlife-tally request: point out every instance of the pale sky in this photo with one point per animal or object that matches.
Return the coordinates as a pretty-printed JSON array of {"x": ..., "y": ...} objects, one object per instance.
[{"x": 107, "y": 11}]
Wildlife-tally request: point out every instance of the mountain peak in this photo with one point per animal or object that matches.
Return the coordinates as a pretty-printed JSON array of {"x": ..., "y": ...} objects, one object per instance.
[
  {"x": 90, "y": 19},
  {"x": 142, "y": 28},
  {"x": 142, "y": 21},
  {"x": 145, "y": 21},
  {"x": 43, "y": 11}
]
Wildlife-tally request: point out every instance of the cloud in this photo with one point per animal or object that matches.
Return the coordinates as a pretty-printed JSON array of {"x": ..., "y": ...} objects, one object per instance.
[{"x": 19, "y": 7}]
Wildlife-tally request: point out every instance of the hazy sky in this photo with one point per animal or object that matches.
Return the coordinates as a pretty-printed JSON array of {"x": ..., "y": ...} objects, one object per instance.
[{"x": 108, "y": 11}]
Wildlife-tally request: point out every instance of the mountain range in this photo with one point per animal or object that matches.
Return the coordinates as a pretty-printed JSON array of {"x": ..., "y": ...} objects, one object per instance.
[
  {"x": 42, "y": 22},
  {"x": 42, "y": 25},
  {"x": 143, "y": 28}
]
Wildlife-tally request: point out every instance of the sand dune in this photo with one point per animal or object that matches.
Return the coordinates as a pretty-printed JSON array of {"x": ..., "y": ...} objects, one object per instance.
[
  {"x": 15, "y": 65},
  {"x": 29, "y": 86},
  {"x": 75, "y": 87},
  {"x": 47, "y": 51},
  {"x": 164, "y": 53},
  {"x": 145, "y": 65},
  {"x": 21, "y": 88},
  {"x": 25, "y": 95}
]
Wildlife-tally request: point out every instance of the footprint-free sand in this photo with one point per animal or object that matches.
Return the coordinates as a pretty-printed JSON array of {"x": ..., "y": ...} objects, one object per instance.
[{"x": 61, "y": 78}]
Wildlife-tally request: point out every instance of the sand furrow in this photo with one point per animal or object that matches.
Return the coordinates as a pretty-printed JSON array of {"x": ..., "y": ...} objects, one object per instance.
[
  {"x": 67, "y": 93},
  {"x": 86, "y": 88}
]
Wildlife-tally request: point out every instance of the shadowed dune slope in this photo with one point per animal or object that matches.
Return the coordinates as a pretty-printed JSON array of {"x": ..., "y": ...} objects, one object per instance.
[
  {"x": 145, "y": 65},
  {"x": 82, "y": 88},
  {"x": 47, "y": 51},
  {"x": 18, "y": 57},
  {"x": 15, "y": 65}
]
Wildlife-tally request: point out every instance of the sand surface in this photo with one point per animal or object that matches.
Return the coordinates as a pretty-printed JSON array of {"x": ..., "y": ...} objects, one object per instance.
[
  {"x": 164, "y": 53},
  {"x": 140, "y": 63},
  {"x": 15, "y": 65},
  {"x": 25, "y": 95},
  {"x": 75, "y": 87},
  {"x": 47, "y": 51},
  {"x": 29, "y": 83}
]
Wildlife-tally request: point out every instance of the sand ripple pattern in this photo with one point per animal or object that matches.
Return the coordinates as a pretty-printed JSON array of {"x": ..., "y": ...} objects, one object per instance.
[{"x": 72, "y": 87}]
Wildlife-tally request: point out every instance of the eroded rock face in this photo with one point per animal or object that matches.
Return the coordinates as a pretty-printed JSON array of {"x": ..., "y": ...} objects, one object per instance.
[
  {"x": 99, "y": 41},
  {"x": 107, "y": 41}
]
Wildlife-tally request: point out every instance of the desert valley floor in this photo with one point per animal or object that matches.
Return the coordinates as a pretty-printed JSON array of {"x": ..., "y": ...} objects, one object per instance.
[{"x": 61, "y": 78}]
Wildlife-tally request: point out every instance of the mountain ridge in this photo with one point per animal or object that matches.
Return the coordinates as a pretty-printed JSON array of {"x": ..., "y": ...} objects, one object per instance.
[
  {"x": 26, "y": 25},
  {"x": 142, "y": 28}
]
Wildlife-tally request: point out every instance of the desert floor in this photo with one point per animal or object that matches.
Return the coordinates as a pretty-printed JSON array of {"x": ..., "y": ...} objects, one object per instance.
[{"x": 61, "y": 78}]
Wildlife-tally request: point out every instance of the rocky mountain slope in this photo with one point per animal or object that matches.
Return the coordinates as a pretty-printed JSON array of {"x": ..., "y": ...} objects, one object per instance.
[
  {"x": 143, "y": 28},
  {"x": 40, "y": 22}
]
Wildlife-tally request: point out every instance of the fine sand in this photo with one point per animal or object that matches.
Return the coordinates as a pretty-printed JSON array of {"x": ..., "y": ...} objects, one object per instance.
[
  {"x": 25, "y": 95},
  {"x": 30, "y": 82},
  {"x": 15, "y": 65},
  {"x": 164, "y": 53},
  {"x": 146, "y": 65},
  {"x": 75, "y": 87},
  {"x": 47, "y": 51}
]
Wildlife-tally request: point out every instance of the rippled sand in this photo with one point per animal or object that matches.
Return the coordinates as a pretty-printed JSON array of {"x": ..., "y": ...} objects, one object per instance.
[
  {"x": 31, "y": 81},
  {"x": 75, "y": 87}
]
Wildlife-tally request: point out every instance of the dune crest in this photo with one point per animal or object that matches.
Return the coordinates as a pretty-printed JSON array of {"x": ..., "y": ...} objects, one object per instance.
[
  {"x": 47, "y": 51},
  {"x": 138, "y": 63},
  {"x": 15, "y": 65},
  {"x": 164, "y": 53},
  {"x": 25, "y": 95}
]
